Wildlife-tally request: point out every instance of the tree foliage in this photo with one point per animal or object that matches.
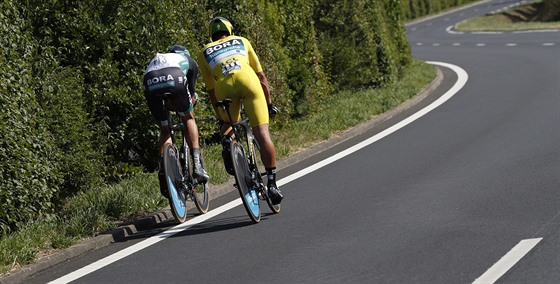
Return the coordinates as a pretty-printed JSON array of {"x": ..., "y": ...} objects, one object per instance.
[
  {"x": 550, "y": 11},
  {"x": 73, "y": 110}
]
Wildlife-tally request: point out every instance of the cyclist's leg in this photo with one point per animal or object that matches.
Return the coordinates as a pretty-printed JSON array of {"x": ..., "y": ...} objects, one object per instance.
[
  {"x": 160, "y": 114},
  {"x": 199, "y": 172},
  {"x": 225, "y": 89},
  {"x": 257, "y": 111},
  {"x": 268, "y": 151},
  {"x": 183, "y": 102},
  {"x": 192, "y": 140},
  {"x": 191, "y": 129},
  {"x": 164, "y": 138},
  {"x": 268, "y": 157},
  {"x": 189, "y": 100}
]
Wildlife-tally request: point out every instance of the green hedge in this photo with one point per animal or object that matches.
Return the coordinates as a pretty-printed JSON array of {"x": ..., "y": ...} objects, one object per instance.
[
  {"x": 550, "y": 11},
  {"x": 73, "y": 111},
  {"x": 29, "y": 177}
]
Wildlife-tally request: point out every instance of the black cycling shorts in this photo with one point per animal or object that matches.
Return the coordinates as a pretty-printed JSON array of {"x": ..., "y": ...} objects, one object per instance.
[{"x": 167, "y": 80}]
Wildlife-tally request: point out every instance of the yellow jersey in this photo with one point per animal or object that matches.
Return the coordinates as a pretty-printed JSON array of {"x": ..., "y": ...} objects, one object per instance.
[
  {"x": 220, "y": 57},
  {"x": 229, "y": 66}
]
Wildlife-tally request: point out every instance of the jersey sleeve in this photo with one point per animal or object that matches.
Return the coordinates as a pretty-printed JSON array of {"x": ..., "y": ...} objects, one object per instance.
[{"x": 253, "y": 58}]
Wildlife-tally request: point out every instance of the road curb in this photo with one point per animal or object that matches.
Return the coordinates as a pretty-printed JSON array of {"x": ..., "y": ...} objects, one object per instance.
[{"x": 153, "y": 219}]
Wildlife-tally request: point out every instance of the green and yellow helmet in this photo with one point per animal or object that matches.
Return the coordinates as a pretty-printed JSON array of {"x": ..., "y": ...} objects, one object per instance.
[{"x": 220, "y": 24}]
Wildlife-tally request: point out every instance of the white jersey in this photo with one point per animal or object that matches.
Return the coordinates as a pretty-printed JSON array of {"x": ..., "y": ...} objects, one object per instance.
[{"x": 166, "y": 60}]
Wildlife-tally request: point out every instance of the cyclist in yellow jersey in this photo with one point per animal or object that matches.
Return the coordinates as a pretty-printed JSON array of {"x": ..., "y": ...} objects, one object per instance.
[{"x": 231, "y": 69}]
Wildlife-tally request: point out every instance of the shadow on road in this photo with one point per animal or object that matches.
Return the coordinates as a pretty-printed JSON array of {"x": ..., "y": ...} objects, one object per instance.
[{"x": 210, "y": 226}]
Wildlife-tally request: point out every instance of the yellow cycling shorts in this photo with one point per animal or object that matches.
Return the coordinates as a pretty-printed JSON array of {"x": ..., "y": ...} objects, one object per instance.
[{"x": 240, "y": 86}]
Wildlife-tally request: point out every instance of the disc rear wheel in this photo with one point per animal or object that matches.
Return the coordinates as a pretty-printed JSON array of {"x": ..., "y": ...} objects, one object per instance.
[
  {"x": 244, "y": 182},
  {"x": 173, "y": 176}
]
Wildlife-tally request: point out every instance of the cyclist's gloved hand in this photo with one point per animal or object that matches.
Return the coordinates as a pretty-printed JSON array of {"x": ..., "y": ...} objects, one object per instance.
[{"x": 272, "y": 110}]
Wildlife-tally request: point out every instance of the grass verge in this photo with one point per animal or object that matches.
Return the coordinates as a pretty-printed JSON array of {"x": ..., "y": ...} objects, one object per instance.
[
  {"x": 519, "y": 18},
  {"x": 95, "y": 211}
]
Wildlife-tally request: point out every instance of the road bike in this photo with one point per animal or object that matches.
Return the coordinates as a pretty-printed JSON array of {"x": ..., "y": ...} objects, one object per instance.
[
  {"x": 178, "y": 168},
  {"x": 248, "y": 179}
]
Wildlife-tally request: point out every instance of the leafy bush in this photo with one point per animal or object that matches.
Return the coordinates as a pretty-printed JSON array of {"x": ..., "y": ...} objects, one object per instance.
[
  {"x": 550, "y": 11},
  {"x": 28, "y": 177},
  {"x": 363, "y": 42},
  {"x": 60, "y": 95},
  {"x": 75, "y": 116},
  {"x": 413, "y": 9}
]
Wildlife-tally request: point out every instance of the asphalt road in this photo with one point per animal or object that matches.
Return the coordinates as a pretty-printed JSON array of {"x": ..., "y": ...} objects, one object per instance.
[{"x": 467, "y": 191}]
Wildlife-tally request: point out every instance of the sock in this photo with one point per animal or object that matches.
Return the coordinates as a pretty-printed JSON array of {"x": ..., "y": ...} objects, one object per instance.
[{"x": 271, "y": 175}]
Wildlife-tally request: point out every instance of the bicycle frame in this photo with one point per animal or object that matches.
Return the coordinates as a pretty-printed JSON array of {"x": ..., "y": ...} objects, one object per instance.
[
  {"x": 249, "y": 191},
  {"x": 241, "y": 130},
  {"x": 181, "y": 184}
]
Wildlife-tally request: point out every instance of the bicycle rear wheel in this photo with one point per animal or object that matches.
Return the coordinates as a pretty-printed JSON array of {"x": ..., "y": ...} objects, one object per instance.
[
  {"x": 177, "y": 194},
  {"x": 244, "y": 181}
]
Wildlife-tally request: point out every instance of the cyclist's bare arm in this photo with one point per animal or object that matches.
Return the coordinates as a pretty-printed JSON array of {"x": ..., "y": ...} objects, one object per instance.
[
  {"x": 226, "y": 128},
  {"x": 265, "y": 86},
  {"x": 214, "y": 102}
]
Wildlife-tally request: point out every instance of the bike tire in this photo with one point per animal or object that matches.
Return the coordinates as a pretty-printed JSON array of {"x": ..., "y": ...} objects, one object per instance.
[
  {"x": 200, "y": 196},
  {"x": 264, "y": 192},
  {"x": 244, "y": 182},
  {"x": 275, "y": 208},
  {"x": 177, "y": 195},
  {"x": 199, "y": 190}
]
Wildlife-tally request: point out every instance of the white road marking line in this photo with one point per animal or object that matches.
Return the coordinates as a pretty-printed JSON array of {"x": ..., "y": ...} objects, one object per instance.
[
  {"x": 461, "y": 81},
  {"x": 511, "y": 44},
  {"x": 486, "y": 33},
  {"x": 536, "y": 31},
  {"x": 144, "y": 244},
  {"x": 451, "y": 30},
  {"x": 480, "y": 44},
  {"x": 549, "y": 44},
  {"x": 507, "y": 261}
]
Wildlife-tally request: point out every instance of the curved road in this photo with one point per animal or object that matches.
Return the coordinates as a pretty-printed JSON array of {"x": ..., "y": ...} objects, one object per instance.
[{"x": 468, "y": 191}]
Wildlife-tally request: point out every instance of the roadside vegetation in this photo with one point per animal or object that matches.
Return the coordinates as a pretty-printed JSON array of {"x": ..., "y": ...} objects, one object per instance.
[
  {"x": 77, "y": 143},
  {"x": 92, "y": 212},
  {"x": 538, "y": 15}
]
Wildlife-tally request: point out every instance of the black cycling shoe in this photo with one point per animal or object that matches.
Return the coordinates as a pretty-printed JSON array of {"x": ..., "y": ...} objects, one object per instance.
[
  {"x": 226, "y": 155},
  {"x": 200, "y": 174},
  {"x": 228, "y": 163},
  {"x": 274, "y": 194}
]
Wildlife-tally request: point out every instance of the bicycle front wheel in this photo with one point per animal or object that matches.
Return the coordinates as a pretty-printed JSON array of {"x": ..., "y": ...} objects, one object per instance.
[
  {"x": 275, "y": 208},
  {"x": 199, "y": 190},
  {"x": 177, "y": 194},
  {"x": 200, "y": 197},
  {"x": 244, "y": 181}
]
